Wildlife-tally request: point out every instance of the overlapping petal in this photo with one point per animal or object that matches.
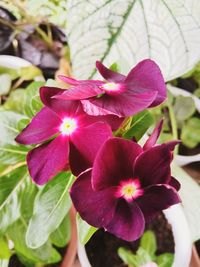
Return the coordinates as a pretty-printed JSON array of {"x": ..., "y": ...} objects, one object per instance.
[
  {"x": 96, "y": 208},
  {"x": 114, "y": 162},
  {"x": 157, "y": 198},
  {"x": 153, "y": 166},
  {"x": 154, "y": 136},
  {"x": 128, "y": 221},
  {"x": 45, "y": 161},
  {"x": 108, "y": 74},
  {"x": 146, "y": 76},
  {"x": 85, "y": 143},
  {"x": 43, "y": 126}
]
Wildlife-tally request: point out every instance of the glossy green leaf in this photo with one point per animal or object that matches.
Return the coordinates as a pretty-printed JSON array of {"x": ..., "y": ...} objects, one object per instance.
[
  {"x": 184, "y": 107},
  {"x": 165, "y": 260},
  {"x": 12, "y": 154},
  {"x": 44, "y": 254},
  {"x": 190, "y": 134},
  {"x": 148, "y": 242},
  {"x": 12, "y": 188},
  {"x": 8, "y": 127},
  {"x": 139, "y": 125},
  {"x": 50, "y": 207},
  {"x": 85, "y": 231},
  {"x": 5, "y": 84},
  {"x": 61, "y": 236},
  {"x": 4, "y": 249}
]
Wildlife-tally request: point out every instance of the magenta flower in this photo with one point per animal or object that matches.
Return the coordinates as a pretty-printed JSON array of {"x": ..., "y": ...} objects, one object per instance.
[
  {"x": 127, "y": 186},
  {"x": 78, "y": 137},
  {"x": 121, "y": 95}
]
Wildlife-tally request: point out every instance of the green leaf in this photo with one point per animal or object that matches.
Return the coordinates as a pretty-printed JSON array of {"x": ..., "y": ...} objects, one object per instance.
[
  {"x": 16, "y": 101},
  {"x": 85, "y": 231},
  {"x": 128, "y": 257},
  {"x": 184, "y": 107},
  {"x": 29, "y": 73},
  {"x": 190, "y": 196},
  {"x": 129, "y": 31},
  {"x": 190, "y": 134},
  {"x": 4, "y": 263},
  {"x": 148, "y": 243},
  {"x": 61, "y": 236},
  {"x": 12, "y": 72},
  {"x": 8, "y": 127},
  {"x": 45, "y": 254},
  {"x": 12, "y": 154},
  {"x": 139, "y": 125},
  {"x": 4, "y": 249},
  {"x": 143, "y": 256},
  {"x": 5, "y": 84},
  {"x": 12, "y": 188},
  {"x": 50, "y": 207},
  {"x": 165, "y": 260},
  {"x": 31, "y": 92}
]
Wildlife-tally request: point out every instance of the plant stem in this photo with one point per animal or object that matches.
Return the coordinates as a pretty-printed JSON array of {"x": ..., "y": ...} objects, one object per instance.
[{"x": 173, "y": 124}]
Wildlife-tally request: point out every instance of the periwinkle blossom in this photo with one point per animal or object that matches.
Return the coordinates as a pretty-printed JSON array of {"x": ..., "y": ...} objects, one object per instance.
[
  {"x": 67, "y": 136},
  {"x": 127, "y": 186},
  {"x": 121, "y": 95}
]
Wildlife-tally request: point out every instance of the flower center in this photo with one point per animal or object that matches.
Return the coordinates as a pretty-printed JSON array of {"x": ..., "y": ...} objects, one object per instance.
[
  {"x": 111, "y": 87},
  {"x": 68, "y": 126},
  {"x": 129, "y": 189}
]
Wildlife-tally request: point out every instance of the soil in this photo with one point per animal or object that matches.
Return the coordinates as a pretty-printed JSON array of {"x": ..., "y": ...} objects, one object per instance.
[{"x": 102, "y": 247}]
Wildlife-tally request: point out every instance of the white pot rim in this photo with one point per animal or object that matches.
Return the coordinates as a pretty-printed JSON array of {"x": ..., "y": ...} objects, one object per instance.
[{"x": 181, "y": 234}]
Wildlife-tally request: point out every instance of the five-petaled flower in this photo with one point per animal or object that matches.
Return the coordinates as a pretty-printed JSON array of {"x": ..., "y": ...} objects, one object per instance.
[
  {"x": 121, "y": 95},
  {"x": 127, "y": 186},
  {"x": 78, "y": 137}
]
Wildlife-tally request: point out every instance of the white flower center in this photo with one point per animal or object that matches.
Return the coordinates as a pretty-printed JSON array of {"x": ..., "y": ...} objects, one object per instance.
[
  {"x": 111, "y": 87},
  {"x": 68, "y": 126}
]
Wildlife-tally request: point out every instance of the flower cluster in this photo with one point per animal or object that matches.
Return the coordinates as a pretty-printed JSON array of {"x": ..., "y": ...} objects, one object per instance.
[{"x": 120, "y": 184}]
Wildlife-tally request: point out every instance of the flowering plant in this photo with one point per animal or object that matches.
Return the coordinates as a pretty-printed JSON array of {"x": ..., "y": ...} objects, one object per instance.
[{"x": 121, "y": 185}]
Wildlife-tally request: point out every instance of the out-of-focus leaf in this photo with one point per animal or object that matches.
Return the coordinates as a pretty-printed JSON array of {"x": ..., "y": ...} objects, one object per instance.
[
  {"x": 50, "y": 207},
  {"x": 184, "y": 107},
  {"x": 4, "y": 263},
  {"x": 5, "y": 84},
  {"x": 45, "y": 254},
  {"x": 61, "y": 236},
  {"x": 190, "y": 196},
  {"x": 139, "y": 125},
  {"x": 128, "y": 257},
  {"x": 4, "y": 249},
  {"x": 190, "y": 134},
  {"x": 22, "y": 124},
  {"x": 129, "y": 31},
  {"x": 85, "y": 231},
  {"x": 36, "y": 104},
  {"x": 29, "y": 73},
  {"x": 143, "y": 256},
  {"x": 16, "y": 101},
  {"x": 165, "y": 260},
  {"x": 8, "y": 127},
  {"x": 148, "y": 243},
  {"x": 12, "y": 72}
]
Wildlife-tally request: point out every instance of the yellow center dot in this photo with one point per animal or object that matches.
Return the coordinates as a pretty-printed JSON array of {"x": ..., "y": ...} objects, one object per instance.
[
  {"x": 128, "y": 191},
  {"x": 68, "y": 126},
  {"x": 111, "y": 86}
]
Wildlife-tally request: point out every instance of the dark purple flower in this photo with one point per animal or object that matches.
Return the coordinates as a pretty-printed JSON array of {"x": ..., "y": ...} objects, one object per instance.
[
  {"x": 121, "y": 95},
  {"x": 127, "y": 186},
  {"x": 71, "y": 137}
]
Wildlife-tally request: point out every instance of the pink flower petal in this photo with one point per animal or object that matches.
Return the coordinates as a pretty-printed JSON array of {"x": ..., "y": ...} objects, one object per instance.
[
  {"x": 43, "y": 126},
  {"x": 114, "y": 162},
  {"x": 128, "y": 221},
  {"x": 47, "y": 160},
  {"x": 154, "y": 136},
  {"x": 96, "y": 208},
  {"x": 108, "y": 74},
  {"x": 85, "y": 143}
]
